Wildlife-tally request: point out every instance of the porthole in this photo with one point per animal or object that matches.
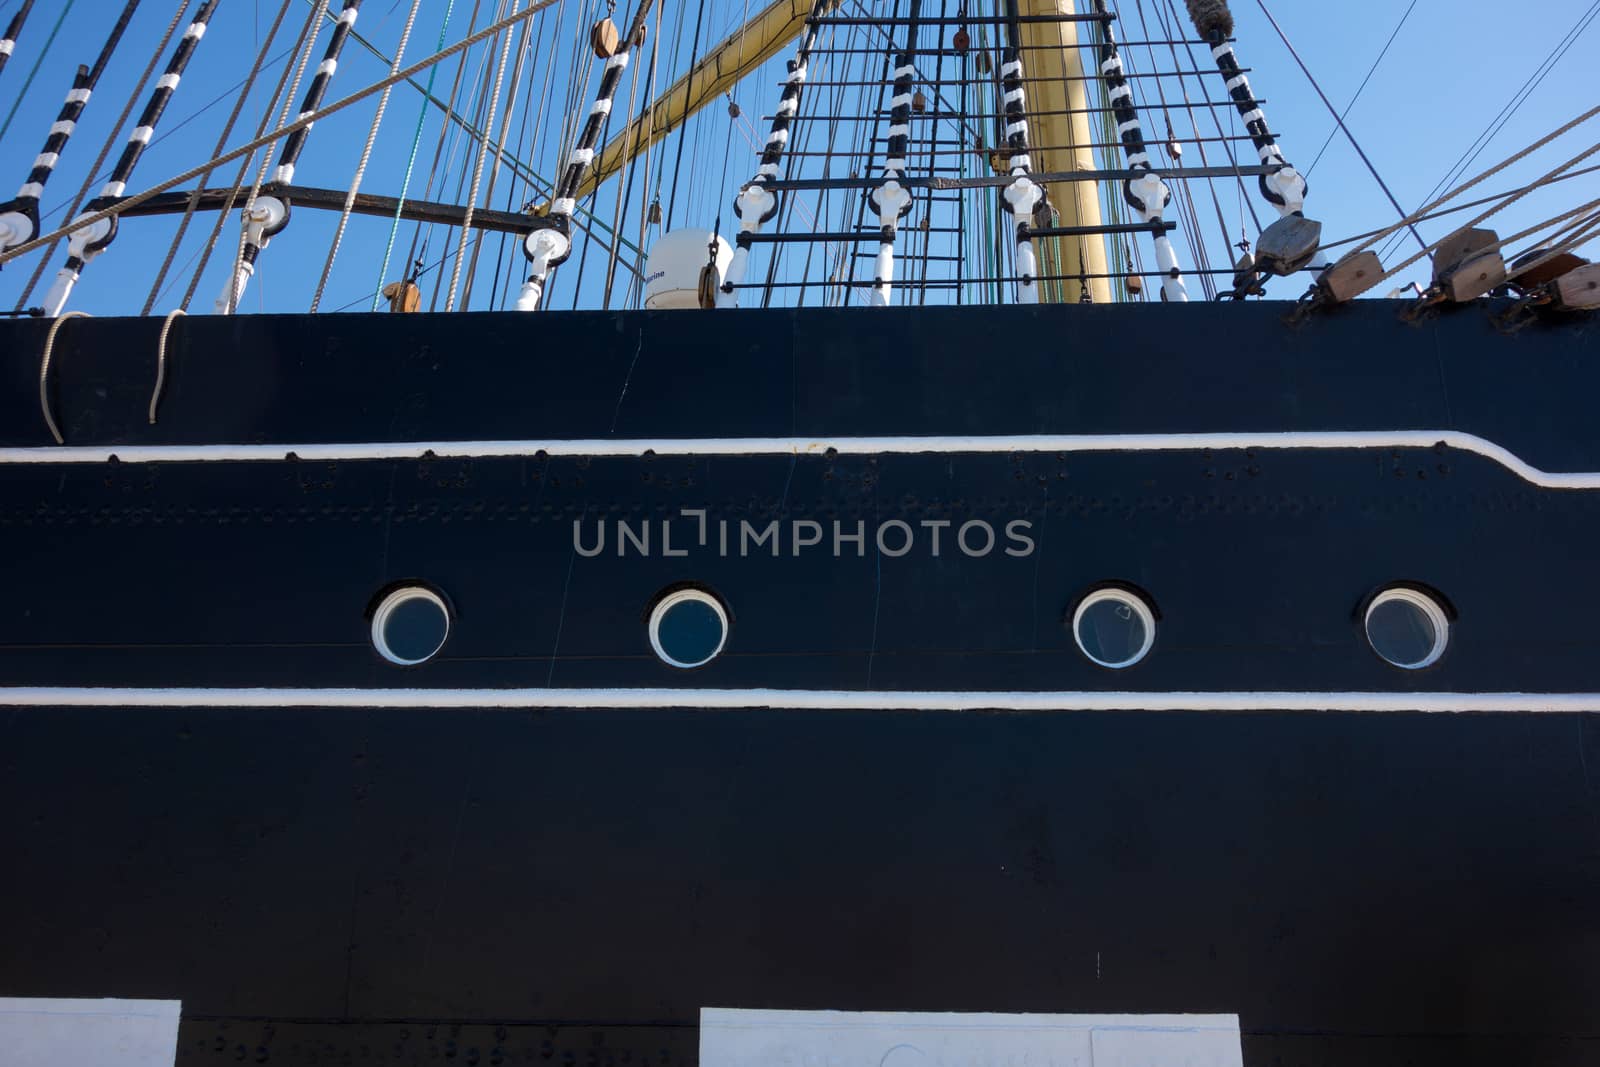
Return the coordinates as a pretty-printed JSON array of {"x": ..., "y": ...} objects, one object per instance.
[
  {"x": 1114, "y": 627},
  {"x": 1407, "y": 628},
  {"x": 410, "y": 625},
  {"x": 688, "y": 628}
]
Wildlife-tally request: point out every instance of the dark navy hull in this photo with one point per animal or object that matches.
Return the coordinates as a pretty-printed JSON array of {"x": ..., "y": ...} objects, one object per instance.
[{"x": 529, "y": 850}]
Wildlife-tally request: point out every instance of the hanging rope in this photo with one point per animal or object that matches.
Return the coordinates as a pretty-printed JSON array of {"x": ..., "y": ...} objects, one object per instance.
[{"x": 44, "y": 373}]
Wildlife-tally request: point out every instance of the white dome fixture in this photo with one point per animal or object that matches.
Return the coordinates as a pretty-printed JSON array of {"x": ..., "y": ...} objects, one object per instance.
[{"x": 672, "y": 271}]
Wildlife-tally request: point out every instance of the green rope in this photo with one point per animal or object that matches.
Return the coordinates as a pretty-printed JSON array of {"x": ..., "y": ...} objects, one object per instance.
[
  {"x": 36, "y": 63},
  {"x": 416, "y": 139}
]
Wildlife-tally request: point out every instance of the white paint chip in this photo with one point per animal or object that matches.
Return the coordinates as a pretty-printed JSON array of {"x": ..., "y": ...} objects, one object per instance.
[
  {"x": 48, "y": 1032},
  {"x": 732, "y": 1037}
]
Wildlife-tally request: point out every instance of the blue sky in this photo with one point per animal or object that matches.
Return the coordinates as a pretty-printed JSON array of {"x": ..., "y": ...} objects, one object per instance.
[{"x": 1451, "y": 69}]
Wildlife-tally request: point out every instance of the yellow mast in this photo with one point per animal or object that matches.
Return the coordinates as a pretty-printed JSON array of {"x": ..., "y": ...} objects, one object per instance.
[
  {"x": 751, "y": 45},
  {"x": 1053, "y": 65}
]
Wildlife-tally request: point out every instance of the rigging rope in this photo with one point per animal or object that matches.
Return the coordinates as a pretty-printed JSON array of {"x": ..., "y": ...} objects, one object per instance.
[
  {"x": 19, "y": 218},
  {"x": 105, "y": 150},
  {"x": 366, "y": 154},
  {"x": 92, "y": 241},
  {"x": 222, "y": 138},
  {"x": 240, "y": 263},
  {"x": 499, "y": 158},
  {"x": 411, "y": 162},
  {"x": 1508, "y": 111},
  {"x": 1491, "y": 172},
  {"x": 1339, "y": 119},
  {"x": 210, "y": 244},
  {"x": 477, "y": 169}
]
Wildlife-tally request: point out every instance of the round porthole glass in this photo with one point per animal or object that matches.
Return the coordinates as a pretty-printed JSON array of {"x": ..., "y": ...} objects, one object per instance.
[
  {"x": 1114, "y": 627},
  {"x": 410, "y": 626},
  {"x": 1407, "y": 628},
  {"x": 688, "y": 628}
]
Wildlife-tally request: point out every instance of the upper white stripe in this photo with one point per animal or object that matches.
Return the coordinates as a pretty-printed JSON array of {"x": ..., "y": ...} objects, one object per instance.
[
  {"x": 802, "y": 699},
  {"x": 757, "y": 446}
]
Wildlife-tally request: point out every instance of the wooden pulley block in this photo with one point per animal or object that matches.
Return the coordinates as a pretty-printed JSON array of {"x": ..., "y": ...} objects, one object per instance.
[
  {"x": 959, "y": 41},
  {"x": 1351, "y": 276},
  {"x": 1459, "y": 247},
  {"x": 733, "y": 109},
  {"x": 1000, "y": 160},
  {"x": 605, "y": 39},
  {"x": 1475, "y": 277},
  {"x": 655, "y": 212},
  {"x": 710, "y": 280},
  {"x": 924, "y": 224},
  {"x": 403, "y": 296},
  {"x": 919, "y": 103},
  {"x": 1134, "y": 284},
  {"x": 638, "y": 38},
  {"x": 1579, "y": 290},
  {"x": 1549, "y": 271},
  {"x": 983, "y": 63}
]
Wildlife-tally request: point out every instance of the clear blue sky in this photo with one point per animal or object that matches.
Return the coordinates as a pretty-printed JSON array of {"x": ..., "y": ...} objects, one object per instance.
[{"x": 1453, "y": 66}]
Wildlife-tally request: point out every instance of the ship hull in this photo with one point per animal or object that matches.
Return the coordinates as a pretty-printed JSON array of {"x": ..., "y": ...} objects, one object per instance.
[{"x": 901, "y": 786}]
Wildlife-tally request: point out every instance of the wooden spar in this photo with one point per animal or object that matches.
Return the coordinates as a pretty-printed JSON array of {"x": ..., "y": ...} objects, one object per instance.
[
  {"x": 1052, "y": 63},
  {"x": 757, "y": 41}
]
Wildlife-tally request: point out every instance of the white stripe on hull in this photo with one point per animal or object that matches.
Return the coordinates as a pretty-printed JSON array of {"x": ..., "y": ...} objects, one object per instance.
[
  {"x": 800, "y": 700},
  {"x": 759, "y": 446}
]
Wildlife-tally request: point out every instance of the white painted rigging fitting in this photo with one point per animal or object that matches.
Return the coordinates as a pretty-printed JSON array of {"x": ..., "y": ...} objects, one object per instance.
[
  {"x": 893, "y": 199},
  {"x": 1152, "y": 193},
  {"x": 15, "y": 229},
  {"x": 672, "y": 269},
  {"x": 78, "y": 242},
  {"x": 263, "y": 218},
  {"x": 544, "y": 247},
  {"x": 754, "y": 204},
  {"x": 1022, "y": 196}
]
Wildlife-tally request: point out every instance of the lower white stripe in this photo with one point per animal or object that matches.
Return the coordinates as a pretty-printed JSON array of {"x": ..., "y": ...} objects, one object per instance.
[
  {"x": 797, "y": 699},
  {"x": 757, "y": 446}
]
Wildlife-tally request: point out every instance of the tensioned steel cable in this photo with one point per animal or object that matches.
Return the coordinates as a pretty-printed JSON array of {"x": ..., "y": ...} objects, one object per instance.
[
  {"x": 1541, "y": 71},
  {"x": 8, "y": 40},
  {"x": 38, "y": 61},
  {"x": 1363, "y": 86}
]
